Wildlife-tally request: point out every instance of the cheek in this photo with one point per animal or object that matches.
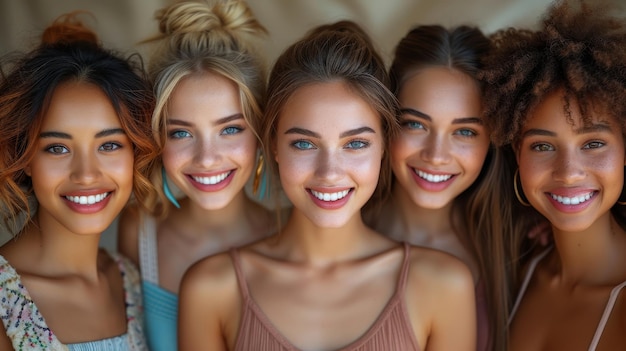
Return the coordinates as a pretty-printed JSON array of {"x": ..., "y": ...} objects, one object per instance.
[{"x": 402, "y": 148}]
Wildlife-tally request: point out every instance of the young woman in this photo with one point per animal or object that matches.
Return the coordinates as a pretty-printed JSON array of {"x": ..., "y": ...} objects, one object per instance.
[
  {"x": 444, "y": 167},
  {"x": 558, "y": 96},
  {"x": 326, "y": 281},
  {"x": 76, "y": 136},
  {"x": 209, "y": 84}
]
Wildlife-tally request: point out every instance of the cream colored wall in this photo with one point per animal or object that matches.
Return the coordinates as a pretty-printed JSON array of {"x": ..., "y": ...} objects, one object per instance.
[{"x": 122, "y": 23}]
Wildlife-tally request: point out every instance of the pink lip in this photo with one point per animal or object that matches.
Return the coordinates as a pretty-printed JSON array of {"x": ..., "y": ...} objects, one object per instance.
[
  {"x": 211, "y": 187},
  {"x": 330, "y": 205},
  {"x": 571, "y": 193},
  {"x": 86, "y": 208},
  {"x": 430, "y": 186}
]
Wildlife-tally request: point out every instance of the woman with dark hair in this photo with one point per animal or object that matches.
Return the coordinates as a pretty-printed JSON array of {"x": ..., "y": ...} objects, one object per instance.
[
  {"x": 326, "y": 281},
  {"x": 557, "y": 96},
  {"x": 444, "y": 165},
  {"x": 76, "y": 136}
]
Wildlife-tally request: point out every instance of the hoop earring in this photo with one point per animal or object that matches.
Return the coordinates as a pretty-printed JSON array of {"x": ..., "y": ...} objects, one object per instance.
[
  {"x": 167, "y": 191},
  {"x": 517, "y": 192},
  {"x": 259, "y": 185}
]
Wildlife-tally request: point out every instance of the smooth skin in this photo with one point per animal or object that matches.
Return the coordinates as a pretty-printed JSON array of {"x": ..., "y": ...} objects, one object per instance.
[
  {"x": 326, "y": 277},
  {"x": 57, "y": 256},
  {"x": 210, "y": 154},
  {"x": 582, "y": 166}
]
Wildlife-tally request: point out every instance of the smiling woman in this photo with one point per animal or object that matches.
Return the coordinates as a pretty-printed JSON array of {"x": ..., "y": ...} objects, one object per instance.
[
  {"x": 326, "y": 281},
  {"x": 76, "y": 136}
]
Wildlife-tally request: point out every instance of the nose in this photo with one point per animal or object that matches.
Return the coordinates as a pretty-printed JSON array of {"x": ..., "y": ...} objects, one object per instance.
[
  {"x": 207, "y": 152},
  {"x": 85, "y": 168},
  {"x": 435, "y": 149},
  {"x": 329, "y": 167},
  {"x": 568, "y": 167}
]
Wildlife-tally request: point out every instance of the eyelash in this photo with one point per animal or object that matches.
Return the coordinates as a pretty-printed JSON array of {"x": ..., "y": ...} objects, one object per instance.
[
  {"x": 541, "y": 147},
  {"x": 413, "y": 125},
  {"x": 106, "y": 147}
]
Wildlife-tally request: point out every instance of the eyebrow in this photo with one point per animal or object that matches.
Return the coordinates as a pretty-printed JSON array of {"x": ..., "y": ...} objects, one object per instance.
[
  {"x": 223, "y": 120},
  {"x": 347, "y": 133},
  {"x": 420, "y": 114},
  {"x": 101, "y": 134},
  {"x": 599, "y": 127}
]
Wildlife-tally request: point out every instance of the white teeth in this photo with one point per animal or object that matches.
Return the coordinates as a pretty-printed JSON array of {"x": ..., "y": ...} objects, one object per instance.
[
  {"x": 433, "y": 178},
  {"x": 87, "y": 200},
  {"x": 212, "y": 180},
  {"x": 572, "y": 200},
  {"x": 330, "y": 196}
]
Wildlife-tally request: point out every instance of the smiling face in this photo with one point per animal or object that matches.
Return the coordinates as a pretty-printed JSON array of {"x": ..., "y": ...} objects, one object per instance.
[
  {"x": 210, "y": 150},
  {"x": 443, "y": 143},
  {"x": 571, "y": 173},
  {"x": 329, "y": 146},
  {"x": 82, "y": 170}
]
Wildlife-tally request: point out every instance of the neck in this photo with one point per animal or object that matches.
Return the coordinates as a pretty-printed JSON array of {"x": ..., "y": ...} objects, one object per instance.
[
  {"x": 594, "y": 256},
  {"x": 303, "y": 241}
]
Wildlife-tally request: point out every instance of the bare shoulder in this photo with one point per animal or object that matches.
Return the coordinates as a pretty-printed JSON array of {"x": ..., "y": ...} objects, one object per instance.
[
  {"x": 211, "y": 272},
  {"x": 436, "y": 270},
  {"x": 128, "y": 233}
]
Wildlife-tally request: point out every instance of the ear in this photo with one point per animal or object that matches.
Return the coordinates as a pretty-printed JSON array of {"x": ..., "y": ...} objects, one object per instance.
[
  {"x": 516, "y": 149},
  {"x": 27, "y": 170},
  {"x": 275, "y": 151}
]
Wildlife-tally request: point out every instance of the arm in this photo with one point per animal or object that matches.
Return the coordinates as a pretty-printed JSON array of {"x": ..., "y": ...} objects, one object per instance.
[
  {"x": 209, "y": 306},
  {"x": 128, "y": 233},
  {"x": 441, "y": 302},
  {"x": 5, "y": 342}
]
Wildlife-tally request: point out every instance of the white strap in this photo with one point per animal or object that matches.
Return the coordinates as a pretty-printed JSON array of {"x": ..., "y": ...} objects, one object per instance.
[
  {"x": 605, "y": 316},
  {"x": 148, "y": 259},
  {"x": 529, "y": 275}
]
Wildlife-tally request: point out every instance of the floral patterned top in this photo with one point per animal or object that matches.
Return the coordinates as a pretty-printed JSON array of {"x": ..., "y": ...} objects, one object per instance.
[{"x": 27, "y": 328}]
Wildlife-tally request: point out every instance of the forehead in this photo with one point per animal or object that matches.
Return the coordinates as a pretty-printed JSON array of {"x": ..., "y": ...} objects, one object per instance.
[{"x": 329, "y": 105}]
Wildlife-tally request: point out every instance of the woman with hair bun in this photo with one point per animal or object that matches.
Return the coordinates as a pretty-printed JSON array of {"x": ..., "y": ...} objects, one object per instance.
[
  {"x": 557, "y": 96},
  {"x": 209, "y": 83},
  {"x": 76, "y": 137},
  {"x": 326, "y": 281}
]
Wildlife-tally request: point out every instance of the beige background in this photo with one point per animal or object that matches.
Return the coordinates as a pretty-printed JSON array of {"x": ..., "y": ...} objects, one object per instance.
[{"x": 123, "y": 23}]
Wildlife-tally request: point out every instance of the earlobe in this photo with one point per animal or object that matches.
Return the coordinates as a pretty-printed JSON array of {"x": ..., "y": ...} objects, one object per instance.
[{"x": 27, "y": 170}]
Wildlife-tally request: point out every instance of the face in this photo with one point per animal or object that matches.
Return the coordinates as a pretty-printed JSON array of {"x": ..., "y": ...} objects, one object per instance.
[
  {"x": 329, "y": 147},
  {"x": 443, "y": 143},
  {"x": 210, "y": 149},
  {"x": 571, "y": 173},
  {"x": 82, "y": 169}
]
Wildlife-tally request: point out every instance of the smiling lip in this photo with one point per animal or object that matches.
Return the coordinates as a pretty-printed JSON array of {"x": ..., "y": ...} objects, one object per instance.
[
  {"x": 571, "y": 202},
  {"x": 432, "y": 181},
  {"x": 330, "y": 199},
  {"x": 87, "y": 202},
  {"x": 211, "y": 182}
]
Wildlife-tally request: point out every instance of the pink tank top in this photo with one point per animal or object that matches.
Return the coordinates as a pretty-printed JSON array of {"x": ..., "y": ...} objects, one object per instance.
[{"x": 391, "y": 330}]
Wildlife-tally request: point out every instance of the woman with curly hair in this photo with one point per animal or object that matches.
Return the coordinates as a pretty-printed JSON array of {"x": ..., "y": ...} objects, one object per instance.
[
  {"x": 75, "y": 136},
  {"x": 557, "y": 96}
]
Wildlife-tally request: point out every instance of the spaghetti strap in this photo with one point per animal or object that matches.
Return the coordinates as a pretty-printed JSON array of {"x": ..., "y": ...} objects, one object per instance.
[
  {"x": 241, "y": 279},
  {"x": 529, "y": 275},
  {"x": 605, "y": 316},
  {"x": 148, "y": 260},
  {"x": 404, "y": 270}
]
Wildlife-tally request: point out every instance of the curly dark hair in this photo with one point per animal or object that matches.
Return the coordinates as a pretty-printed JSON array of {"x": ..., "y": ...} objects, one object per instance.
[{"x": 579, "y": 48}]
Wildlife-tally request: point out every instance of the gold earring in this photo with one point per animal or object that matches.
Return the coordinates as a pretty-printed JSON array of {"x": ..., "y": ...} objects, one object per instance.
[
  {"x": 258, "y": 175},
  {"x": 517, "y": 193}
]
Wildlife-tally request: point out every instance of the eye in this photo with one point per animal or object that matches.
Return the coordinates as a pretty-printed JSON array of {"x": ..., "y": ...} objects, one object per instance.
[
  {"x": 231, "y": 130},
  {"x": 466, "y": 132},
  {"x": 357, "y": 144},
  {"x": 593, "y": 145},
  {"x": 179, "y": 134},
  {"x": 110, "y": 146},
  {"x": 540, "y": 147},
  {"x": 302, "y": 145},
  {"x": 413, "y": 125},
  {"x": 57, "y": 149}
]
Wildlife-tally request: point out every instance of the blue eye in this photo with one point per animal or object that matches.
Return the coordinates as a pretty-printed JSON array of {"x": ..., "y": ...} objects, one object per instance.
[
  {"x": 357, "y": 144},
  {"x": 179, "y": 134},
  {"x": 413, "y": 125},
  {"x": 302, "y": 145},
  {"x": 466, "y": 132},
  {"x": 57, "y": 149},
  {"x": 111, "y": 146},
  {"x": 231, "y": 130}
]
